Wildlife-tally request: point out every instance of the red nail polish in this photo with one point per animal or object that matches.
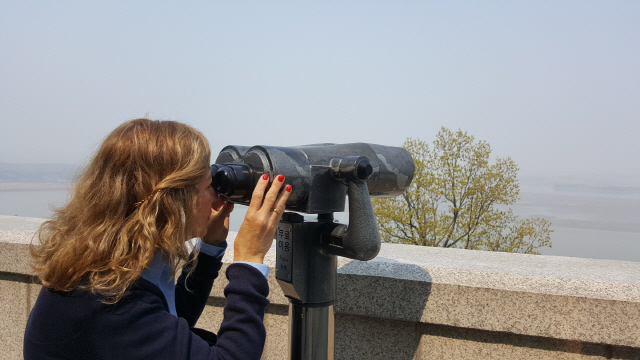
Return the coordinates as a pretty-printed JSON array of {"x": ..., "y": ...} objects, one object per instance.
[
  {"x": 265, "y": 177},
  {"x": 281, "y": 178},
  {"x": 288, "y": 188}
]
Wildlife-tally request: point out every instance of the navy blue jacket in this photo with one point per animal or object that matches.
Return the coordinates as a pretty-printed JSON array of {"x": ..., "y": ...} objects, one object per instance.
[{"x": 76, "y": 325}]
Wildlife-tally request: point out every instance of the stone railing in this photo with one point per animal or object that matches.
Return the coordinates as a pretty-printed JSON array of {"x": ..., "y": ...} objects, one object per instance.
[{"x": 420, "y": 303}]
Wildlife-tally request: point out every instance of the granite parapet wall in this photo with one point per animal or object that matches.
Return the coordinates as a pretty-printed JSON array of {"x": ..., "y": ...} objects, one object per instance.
[{"x": 419, "y": 303}]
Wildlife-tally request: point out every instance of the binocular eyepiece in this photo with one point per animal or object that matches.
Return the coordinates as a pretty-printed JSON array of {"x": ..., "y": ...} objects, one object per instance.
[
  {"x": 318, "y": 173},
  {"x": 233, "y": 180}
]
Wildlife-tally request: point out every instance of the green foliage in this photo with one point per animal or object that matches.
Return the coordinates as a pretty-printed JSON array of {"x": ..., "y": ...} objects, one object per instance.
[{"x": 452, "y": 201}]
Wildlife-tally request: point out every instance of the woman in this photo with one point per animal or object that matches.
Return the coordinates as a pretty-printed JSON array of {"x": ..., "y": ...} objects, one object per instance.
[{"x": 107, "y": 260}]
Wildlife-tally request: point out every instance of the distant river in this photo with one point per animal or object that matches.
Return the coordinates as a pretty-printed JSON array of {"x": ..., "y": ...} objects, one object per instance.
[
  {"x": 585, "y": 225},
  {"x": 31, "y": 203}
]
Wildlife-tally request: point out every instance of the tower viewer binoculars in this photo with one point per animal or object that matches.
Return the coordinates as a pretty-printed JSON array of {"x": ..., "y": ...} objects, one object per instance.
[{"x": 318, "y": 173}]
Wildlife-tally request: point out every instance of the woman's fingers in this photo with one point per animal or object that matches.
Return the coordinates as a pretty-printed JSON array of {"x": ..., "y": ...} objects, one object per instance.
[
  {"x": 218, "y": 226},
  {"x": 262, "y": 201},
  {"x": 225, "y": 212},
  {"x": 258, "y": 193},
  {"x": 258, "y": 228},
  {"x": 281, "y": 203},
  {"x": 220, "y": 209},
  {"x": 273, "y": 192}
]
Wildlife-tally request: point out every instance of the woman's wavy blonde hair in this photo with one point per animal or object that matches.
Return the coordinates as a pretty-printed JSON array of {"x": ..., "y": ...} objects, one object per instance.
[{"x": 100, "y": 240}]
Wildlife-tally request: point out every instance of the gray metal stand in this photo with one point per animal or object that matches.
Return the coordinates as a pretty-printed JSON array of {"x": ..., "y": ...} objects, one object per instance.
[
  {"x": 306, "y": 269},
  {"x": 307, "y": 276}
]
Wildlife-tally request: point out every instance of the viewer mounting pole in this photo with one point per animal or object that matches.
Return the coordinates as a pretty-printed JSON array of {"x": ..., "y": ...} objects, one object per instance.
[{"x": 306, "y": 269}]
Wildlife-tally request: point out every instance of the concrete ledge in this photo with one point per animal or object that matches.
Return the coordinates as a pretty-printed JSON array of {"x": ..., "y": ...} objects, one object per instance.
[
  {"x": 566, "y": 298},
  {"x": 436, "y": 302}
]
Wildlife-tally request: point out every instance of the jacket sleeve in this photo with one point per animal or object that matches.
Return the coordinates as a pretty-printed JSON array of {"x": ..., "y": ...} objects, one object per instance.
[
  {"x": 242, "y": 330},
  {"x": 192, "y": 290},
  {"x": 243, "y": 322},
  {"x": 242, "y": 333},
  {"x": 145, "y": 330}
]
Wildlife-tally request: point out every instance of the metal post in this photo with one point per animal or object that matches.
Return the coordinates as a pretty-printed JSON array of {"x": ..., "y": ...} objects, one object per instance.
[
  {"x": 311, "y": 332},
  {"x": 307, "y": 276}
]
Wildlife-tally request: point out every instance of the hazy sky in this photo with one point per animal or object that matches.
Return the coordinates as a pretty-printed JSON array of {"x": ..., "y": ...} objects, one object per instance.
[{"x": 553, "y": 84}]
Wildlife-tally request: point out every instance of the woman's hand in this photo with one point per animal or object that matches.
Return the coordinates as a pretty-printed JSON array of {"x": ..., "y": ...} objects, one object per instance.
[
  {"x": 218, "y": 226},
  {"x": 259, "y": 226}
]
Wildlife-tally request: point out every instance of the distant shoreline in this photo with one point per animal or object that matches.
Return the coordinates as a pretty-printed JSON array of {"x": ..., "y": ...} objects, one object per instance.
[{"x": 15, "y": 186}]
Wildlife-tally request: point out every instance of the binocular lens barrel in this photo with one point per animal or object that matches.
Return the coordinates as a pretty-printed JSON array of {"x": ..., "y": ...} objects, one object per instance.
[{"x": 235, "y": 181}]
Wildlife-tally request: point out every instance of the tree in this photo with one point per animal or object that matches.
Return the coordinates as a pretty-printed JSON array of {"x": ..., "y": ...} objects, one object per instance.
[{"x": 457, "y": 199}]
